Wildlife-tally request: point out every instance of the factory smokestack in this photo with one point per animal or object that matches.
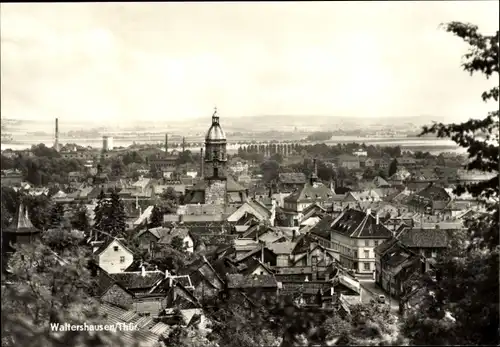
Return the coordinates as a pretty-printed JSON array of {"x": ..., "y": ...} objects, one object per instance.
[
  {"x": 183, "y": 144},
  {"x": 202, "y": 160},
  {"x": 56, "y": 140},
  {"x": 166, "y": 143}
]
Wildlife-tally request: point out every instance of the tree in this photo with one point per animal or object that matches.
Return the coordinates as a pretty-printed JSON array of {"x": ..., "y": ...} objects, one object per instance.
[
  {"x": 39, "y": 208},
  {"x": 270, "y": 170},
  {"x": 168, "y": 258},
  {"x": 117, "y": 167},
  {"x": 100, "y": 211},
  {"x": 170, "y": 200},
  {"x": 60, "y": 240},
  {"x": 393, "y": 167},
  {"x": 187, "y": 337},
  {"x": 46, "y": 288},
  {"x": 116, "y": 215},
  {"x": 156, "y": 217},
  {"x": 56, "y": 216},
  {"x": 465, "y": 282},
  {"x": 80, "y": 219}
]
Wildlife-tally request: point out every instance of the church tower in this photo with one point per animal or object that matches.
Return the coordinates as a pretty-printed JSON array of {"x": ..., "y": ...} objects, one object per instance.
[{"x": 215, "y": 167}]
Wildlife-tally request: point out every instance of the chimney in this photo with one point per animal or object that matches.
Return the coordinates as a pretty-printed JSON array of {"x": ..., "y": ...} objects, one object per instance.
[
  {"x": 368, "y": 211},
  {"x": 143, "y": 271},
  {"x": 183, "y": 144},
  {"x": 377, "y": 220},
  {"x": 314, "y": 174},
  {"x": 56, "y": 140},
  {"x": 167, "y": 274},
  {"x": 202, "y": 163},
  {"x": 166, "y": 143}
]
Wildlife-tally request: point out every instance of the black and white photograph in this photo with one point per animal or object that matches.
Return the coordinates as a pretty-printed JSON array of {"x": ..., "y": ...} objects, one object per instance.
[{"x": 250, "y": 174}]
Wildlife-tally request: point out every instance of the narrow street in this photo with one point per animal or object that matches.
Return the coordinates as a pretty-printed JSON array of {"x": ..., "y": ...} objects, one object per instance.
[{"x": 371, "y": 291}]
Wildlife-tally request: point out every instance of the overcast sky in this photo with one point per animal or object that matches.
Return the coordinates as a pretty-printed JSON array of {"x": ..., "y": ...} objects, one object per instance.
[{"x": 135, "y": 61}]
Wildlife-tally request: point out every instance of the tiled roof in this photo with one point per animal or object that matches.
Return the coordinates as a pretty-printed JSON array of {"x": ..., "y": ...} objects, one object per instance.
[
  {"x": 312, "y": 210},
  {"x": 357, "y": 224},
  {"x": 203, "y": 209},
  {"x": 292, "y": 178},
  {"x": 380, "y": 182},
  {"x": 262, "y": 210},
  {"x": 311, "y": 193},
  {"x": 174, "y": 232},
  {"x": 250, "y": 265},
  {"x": 303, "y": 244},
  {"x": 231, "y": 185},
  {"x": 238, "y": 281},
  {"x": 424, "y": 238},
  {"x": 135, "y": 280},
  {"x": 223, "y": 267},
  {"x": 384, "y": 246},
  {"x": 216, "y": 239},
  {"x": 433, "y": 192},
  {"x": 282, "y": 247},
  {"x": 144, "y": 337},
  {"x": 323, "y": 228},
  {"x": 397, "y": 257}
]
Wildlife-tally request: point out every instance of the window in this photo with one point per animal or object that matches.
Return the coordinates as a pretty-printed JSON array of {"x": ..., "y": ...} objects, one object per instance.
[
  {"x": 366, "y": 266},
  {"x": 122, "y": 260},
  {"x": 375, "y": 243},
  {"x": 216, "y": 172},
  {"x": 367, "y": 243},
  {"x": 115, "y": 248},
  {"x": 367, "y": 254}
]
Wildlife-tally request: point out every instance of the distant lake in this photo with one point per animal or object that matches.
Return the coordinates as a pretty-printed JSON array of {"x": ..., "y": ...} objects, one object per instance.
[{"x": 429, "y": 144}]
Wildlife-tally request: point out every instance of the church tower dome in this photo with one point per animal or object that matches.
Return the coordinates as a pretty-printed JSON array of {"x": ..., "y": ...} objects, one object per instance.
[{"x": 215, "y": 132}]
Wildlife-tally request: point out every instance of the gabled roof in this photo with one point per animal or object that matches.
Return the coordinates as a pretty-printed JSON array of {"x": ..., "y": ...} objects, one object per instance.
[
  {"x": 424, "y": 238},
  {"x": 159, "y": 232},
  {"x": 304, "y": 243},
  {"x": 323, "y": 228},
  {"x": 385, "y": 246},
  {"x": 357, "y": 224},
  {"x": 310, "y": 193},
  {"x": 138, "y": 280},
  {"x": 108, "y": 243},
  {"x": 435, "y": 193},
  {"x": 380, "y": 182},
  {"x": 238, "y": 281},
  {"x": 312, "y": 209},
  {"x": 249, "y": 266}
]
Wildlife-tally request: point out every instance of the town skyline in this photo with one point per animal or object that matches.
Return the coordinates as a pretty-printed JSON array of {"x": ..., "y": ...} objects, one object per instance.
[{"x": 132, "y": 62}]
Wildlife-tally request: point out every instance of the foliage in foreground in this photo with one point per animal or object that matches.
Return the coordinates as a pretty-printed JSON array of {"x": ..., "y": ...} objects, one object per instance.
[{"x": 461, "y": 302}]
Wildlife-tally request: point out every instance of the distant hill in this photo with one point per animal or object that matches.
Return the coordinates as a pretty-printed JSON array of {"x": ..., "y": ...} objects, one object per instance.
[{"x": 262, "y": 123}]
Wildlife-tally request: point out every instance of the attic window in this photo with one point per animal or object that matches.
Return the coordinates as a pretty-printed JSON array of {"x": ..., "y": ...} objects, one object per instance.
[{"x": 115, "y": 248}]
